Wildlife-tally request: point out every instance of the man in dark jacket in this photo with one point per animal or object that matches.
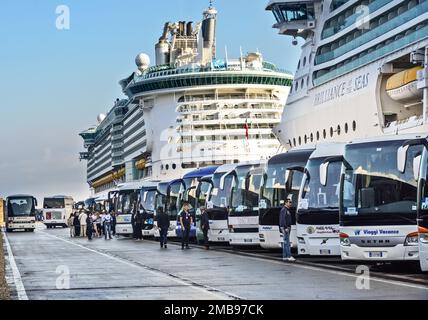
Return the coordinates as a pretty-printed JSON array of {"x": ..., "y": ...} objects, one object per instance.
[
  {"x": 285, "y": 228},
  {"x": 205, "y": 226},
  {"x": 138, "y": 226},
  {"x": 186, "y": 221},
  {"x": 163, "y": 225},
  {"x": 89, "y": 227}
]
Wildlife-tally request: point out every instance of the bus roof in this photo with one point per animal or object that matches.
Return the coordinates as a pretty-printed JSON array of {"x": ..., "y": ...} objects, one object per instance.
[
  {"x": 301, "y": 155},
  {"x": 200, "y": 172},
  {"x": 20, "y": 196},
  {"x": 328, "y": 150},
  {"x": 391, "y": 137}
]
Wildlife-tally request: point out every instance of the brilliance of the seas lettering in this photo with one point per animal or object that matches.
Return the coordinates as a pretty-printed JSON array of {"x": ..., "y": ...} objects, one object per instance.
[{"x": 342, "y": 89}]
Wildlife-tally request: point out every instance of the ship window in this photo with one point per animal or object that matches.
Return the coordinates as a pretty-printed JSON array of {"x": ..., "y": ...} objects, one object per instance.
[
  {"x": 294, "y": 141},
  {"x": 338, "y": 130},
  {"x": 300, "y": 141},
  {"x": 289, "y": 142},
  {"x": 304, "y": 61},
  {"x": 306, "y": 139},
  {"x": 302, "y": 83},
  {"x": 161, "y": 166},
  {"x": 324, "y": 134},
  {"x": 331, "y": 132},
  {"x": 167, "y": 167},
  {"x": 298, "y": 65},
  {"x": 318, "y": 136},
  {"x": 354, "y": 126},
  {"x": 312, "y": 137},
  {"x": 174, "y": 166},
  {"x": 346, "y": 128}
]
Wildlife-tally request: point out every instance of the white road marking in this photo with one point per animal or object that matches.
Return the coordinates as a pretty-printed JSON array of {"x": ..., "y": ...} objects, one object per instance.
[
  {"x": 396, "y": 283},
  {"x": 17, "y": 280},
  {"x": 202, "y": 288}
]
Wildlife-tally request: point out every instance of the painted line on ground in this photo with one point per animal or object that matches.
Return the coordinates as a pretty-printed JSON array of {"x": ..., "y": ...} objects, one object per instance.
[
  {"x": 17, "y": 280},
  {"x": 221, "y": 294}
]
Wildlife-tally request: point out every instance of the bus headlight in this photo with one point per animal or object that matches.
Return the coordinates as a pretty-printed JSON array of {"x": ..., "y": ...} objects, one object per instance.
[
  {"x": 423, "y": 235},
  {"x": 344, "y": 240},
  {"x": 412, "y": 239}
]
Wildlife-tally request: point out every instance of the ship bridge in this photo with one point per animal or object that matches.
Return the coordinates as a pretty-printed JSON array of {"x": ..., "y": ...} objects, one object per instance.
[{"x": 294, "y": 18}]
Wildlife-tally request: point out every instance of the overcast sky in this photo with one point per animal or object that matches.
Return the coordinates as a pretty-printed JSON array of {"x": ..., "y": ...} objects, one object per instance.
[{"x": 54, "y": 83}]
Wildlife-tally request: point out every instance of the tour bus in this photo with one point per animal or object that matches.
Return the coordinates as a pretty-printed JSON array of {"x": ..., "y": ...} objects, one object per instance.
[
  {"x": 378, "y": 201},
  {"x": 218, "y": 203},
  {"x": 57, "y": 210},
  {"x": 2, "y": 212},
  {"x": 420, "y": 169},
  {"x": 317, "y": 217},
  {"x": 197, "y": 185},
  {"x": 281, "y": 181},
  {"x": 21, "y": 213},
  {"x": 167, "y": 200},
  {"x": 147, "y": 206},
  {"x": 244, "y": 204},
  {"x": 126, "y": 202}
]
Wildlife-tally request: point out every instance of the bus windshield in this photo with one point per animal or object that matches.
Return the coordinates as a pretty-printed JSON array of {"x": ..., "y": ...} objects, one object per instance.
[
  {"x": 314, "y": 195},
  {"x": 245, "y": 193},
  {"x": 274, "y": 190},
  {"x": 127, "y": 201},
  {"x": 375, "y": 186},
  {"x": 54, "y": 203},
  {"x": 20, "y": 207},
  {"x": 173, "y": 199},
  {"x": 148, "y": 200},
  {"x": 220, "y": 197}
]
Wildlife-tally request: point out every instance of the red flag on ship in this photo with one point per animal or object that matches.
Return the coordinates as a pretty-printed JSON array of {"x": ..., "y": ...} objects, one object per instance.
[{"x": 246, "y": 129}]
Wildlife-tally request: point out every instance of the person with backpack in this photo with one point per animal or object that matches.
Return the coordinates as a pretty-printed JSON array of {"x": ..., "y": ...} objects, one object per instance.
[{"x": 107, "y": 225}]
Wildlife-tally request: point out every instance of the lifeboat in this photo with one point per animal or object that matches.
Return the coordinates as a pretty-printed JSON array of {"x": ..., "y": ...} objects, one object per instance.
[{"x": 402, "y": 86}]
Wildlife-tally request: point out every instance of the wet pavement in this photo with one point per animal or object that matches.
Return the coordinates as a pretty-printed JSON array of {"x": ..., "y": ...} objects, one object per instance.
[{"x": 54, "y": 266}]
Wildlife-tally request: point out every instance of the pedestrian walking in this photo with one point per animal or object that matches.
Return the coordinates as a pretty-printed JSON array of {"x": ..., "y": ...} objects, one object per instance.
[
  {"x": 70, "y": 223},
  {"x": 98, "y": 225},
  {"x": 76, "y": 225},
  {"x": 89, "y": 227},
  {"x": 103, "y": 215},
  {"x": 205, "y": 226},
  {"x": 163, "y": 225},
  {"x": 138, "y": 221},
  {"x": 113, "y": 222},
  {"x": 82, "y": 218},
  {"x": 186, "y": 220},
  {"x": 107, "y": 226},
  {"x": 94, "y": 224},
  {"x": 285, "y": 228}
]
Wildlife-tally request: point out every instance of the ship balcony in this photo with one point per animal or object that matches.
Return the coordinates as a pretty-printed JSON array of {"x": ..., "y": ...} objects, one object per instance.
[
  {"x": 208, "y": 133},
  {"x": 294, "y": 18},
  {"x": 232, "y": 120},
  {"x": 275, "y": 105}
]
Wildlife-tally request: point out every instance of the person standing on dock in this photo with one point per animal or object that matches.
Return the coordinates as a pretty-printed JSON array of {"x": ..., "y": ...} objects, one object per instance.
[
  {"x": 76, "y": 225},
  {"x": 205, "y": 226},
  {"x": 285, "y": 228},
  {"x": 138, "y": 220},
  {"x": 82, "y": 218},
  {"x": 107, "y": 225},
  {"x": 71, "y": 225},
  {"x": 163, "y": 225},
  {"x": 89, "y": 227},
  {"x": 186, "y": 221}
]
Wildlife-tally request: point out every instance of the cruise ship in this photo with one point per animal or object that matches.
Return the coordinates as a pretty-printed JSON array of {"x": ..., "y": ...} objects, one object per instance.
[
  {"x": 188, "y": 110},
  {"x": 362, "y": 71}
]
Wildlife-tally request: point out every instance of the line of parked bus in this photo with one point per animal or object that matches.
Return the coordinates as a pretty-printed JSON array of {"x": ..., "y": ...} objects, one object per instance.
[
  {"x": 349, "y": 199},
  {"x": 362, "y": 200}
]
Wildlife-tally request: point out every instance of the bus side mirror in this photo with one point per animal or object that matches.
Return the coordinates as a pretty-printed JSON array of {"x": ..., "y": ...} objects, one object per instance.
[
  {"x": 35, "y": 202},
  {"x": 402, "y": 158},
  {"x": 416, "y": 166},
  {"x": 324, "y": 173}
]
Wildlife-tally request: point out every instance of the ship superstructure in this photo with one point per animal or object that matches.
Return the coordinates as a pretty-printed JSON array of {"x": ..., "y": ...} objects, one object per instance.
[
  {"x": 362, "y": 71},
  {"x": 190, "y": 110}
]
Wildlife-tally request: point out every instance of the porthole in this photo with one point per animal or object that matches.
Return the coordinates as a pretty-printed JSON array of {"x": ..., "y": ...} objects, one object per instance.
[
  {"x": 306, "y": 139},
  {"x": 331, "y": 131},
  {"x": 354, "y": 126},
  {"x": 167, "y": 167},
  {"x": 300, "y": 141},
  {"x": 294, "y": 141},
  {"x": 312, "y": 137},
  {"x": 318, "y": 136},
  {"x": 346, "y": 127},
  {"x": 304, "y": 61},
  {"x": 302, "y": 83},
  {"x": 289, "y": 142},
  {"x": 161, "y": 166},
  {"x": 338, "y": 130},
  {"x": 324, "y": 134},
  {"x": 174, "y": 166}
]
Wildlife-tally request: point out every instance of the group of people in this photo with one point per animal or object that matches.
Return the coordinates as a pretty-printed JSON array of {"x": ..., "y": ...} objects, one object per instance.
[{"x": 84, "y": 224}]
